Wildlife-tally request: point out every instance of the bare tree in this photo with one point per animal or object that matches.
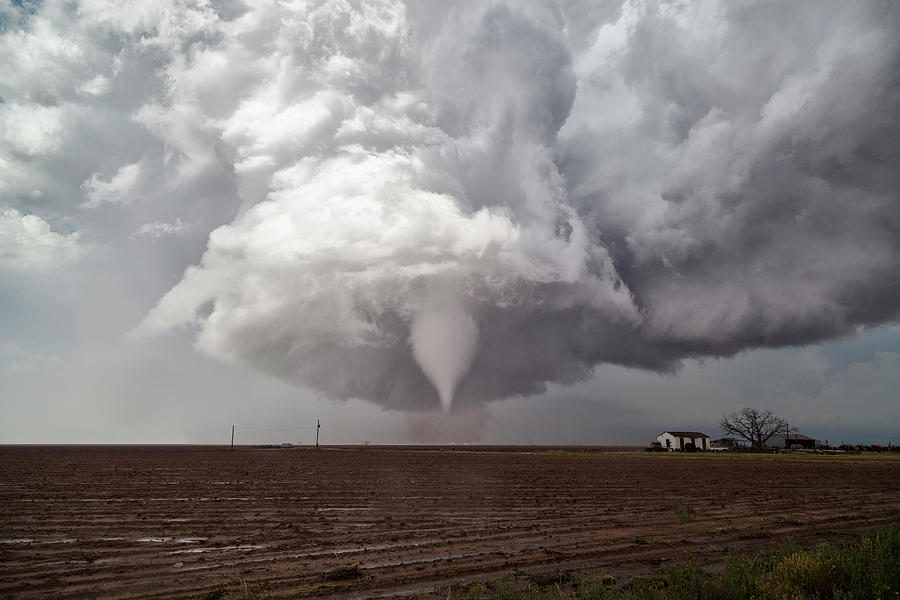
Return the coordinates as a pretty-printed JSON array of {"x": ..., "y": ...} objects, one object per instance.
[{"x": 754, "y": 426}]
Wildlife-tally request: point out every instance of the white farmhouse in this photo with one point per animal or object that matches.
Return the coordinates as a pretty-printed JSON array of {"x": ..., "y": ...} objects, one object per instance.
[{"x": 683, "y": 440}]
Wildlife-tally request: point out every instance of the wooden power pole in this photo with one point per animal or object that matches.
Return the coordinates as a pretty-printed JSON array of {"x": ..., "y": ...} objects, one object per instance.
[
  {"x": 232, "y": 437},
  {"x": 318, "y": 424}
]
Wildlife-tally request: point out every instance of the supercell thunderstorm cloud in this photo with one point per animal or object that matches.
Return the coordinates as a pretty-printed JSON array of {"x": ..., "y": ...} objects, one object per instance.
[{"x": 438, "y": 204}]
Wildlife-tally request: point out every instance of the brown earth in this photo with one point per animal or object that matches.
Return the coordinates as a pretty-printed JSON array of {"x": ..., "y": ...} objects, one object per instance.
[{"x": 178, "y": 522}]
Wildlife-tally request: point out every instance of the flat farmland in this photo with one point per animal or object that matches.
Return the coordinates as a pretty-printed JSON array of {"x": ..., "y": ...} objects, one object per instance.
[{"x": 178, "y": 522}]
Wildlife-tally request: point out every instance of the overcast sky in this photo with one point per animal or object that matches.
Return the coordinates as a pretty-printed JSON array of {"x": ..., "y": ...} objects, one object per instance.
[{"x": 498, "y": 222}]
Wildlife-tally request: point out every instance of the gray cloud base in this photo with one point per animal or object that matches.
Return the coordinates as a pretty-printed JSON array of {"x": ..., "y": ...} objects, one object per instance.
[
  {"x": 773, "y": 144},
  {"x": 630, "y": 184}
]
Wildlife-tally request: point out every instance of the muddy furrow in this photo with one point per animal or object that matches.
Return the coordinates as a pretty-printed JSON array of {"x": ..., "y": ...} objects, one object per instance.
[{"x": 177, "y": 522}]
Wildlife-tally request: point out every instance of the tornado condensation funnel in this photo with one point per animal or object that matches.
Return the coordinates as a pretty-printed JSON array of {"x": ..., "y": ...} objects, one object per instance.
[{"x": 444, "y": 338}]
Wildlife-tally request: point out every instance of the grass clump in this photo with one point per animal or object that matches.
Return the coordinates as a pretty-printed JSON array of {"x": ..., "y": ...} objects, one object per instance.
[
  {"x": 859, "y": 570},
  {"x": 497, "y": 590},
  {"x": 685, "y": 513},
  {"x": 866, "y": 568},
  {"x": 243, "y": 591},
  {"x": 344, "y": 573},
  {"x": 550, "y": 579},
  {"x": 863, "y": 569}
]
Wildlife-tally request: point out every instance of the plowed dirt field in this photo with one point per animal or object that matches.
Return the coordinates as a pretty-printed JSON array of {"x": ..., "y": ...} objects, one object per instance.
[{"x": 177, "y": 522}]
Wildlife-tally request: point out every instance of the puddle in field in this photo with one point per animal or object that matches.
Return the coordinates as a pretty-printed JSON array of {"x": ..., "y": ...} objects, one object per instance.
[
  {"x": 428, "y": 559},
  {"x": 178, "y": 520},
  {"x": 294, "y": 556},
  {"x": 102, "y": 499},
  {"x": 178, "y": 499},
  {"x": 186, "y": 540},
  {"x": 34, "y": 541},
  {"x": 419, "y": 497},
  {"x": 243, "y": 547},
  {"x": 335, "y": 552},
  {"x": 441, "y": 557},
  {"x": 100, "y": 561},
  {"x": 343, "y": 509}
]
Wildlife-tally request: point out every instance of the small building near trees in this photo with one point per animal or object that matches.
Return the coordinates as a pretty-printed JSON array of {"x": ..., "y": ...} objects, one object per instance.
[
  {"x": 725, "y": 443},
  {"x": 688, "y": 441},
  {"x": 728, "y": 442},
  {"x": 794, "y": 440}
]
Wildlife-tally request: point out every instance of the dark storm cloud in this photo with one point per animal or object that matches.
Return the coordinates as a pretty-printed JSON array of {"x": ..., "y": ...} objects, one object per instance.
[
  {"x": 462, "y": 202},
  {"x": 772, "y": 144}
]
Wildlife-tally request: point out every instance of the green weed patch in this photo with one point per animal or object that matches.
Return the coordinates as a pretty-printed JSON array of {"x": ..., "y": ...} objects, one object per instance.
[{"x": 863, "y": 569}]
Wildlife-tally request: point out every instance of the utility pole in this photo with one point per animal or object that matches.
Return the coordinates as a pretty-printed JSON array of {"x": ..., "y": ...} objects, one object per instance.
[
  {"x": 318, "y": 424},
  {"x": 232, "y": 437},
  {"x": 787, "y": 434}
]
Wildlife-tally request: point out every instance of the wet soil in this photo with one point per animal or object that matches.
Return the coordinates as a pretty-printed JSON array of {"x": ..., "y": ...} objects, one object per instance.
[{"x": 177, "y": 522}]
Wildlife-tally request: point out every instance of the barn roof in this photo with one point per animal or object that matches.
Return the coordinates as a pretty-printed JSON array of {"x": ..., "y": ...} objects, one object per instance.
[
  {"x": 794, "y": 436},
  {"x": 690, "y": 434}
]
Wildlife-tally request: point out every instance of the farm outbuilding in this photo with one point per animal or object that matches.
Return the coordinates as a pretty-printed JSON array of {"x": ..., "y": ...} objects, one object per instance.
[
  {"x": 683, "y": 440},
  {"x": 725, "y": 443},
  {"x": 795, "y": 440}
]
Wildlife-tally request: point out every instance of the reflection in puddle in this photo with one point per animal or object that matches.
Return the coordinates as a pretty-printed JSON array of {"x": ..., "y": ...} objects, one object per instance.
[
  {"x": 243, "y": 547},
  {"x": 187, "y": 540}
]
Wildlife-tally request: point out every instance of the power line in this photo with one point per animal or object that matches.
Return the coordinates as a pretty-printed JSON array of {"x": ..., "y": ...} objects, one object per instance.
[
  {"x": 249, "y": 428},
  {"x": 275, "y": 428}
]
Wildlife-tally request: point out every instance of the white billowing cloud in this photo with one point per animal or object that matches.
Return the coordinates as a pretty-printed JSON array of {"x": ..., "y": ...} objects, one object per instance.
[
  {"x": 27, "y": 243},
  {"x": 387, "y": 157},
  {"x": 71, "y": 96},
  {"x": 118, "y": 190},
  {"x": 163, "y": 24},
  {"x": 48, "y": 58},
  {"x": 377, "y": 209},
  {"x": 158, "y": 229},
  {"x": 577, "y": 183},
  {"x": 95, "y": 87},
  {"x": 31, "y": 130}
]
